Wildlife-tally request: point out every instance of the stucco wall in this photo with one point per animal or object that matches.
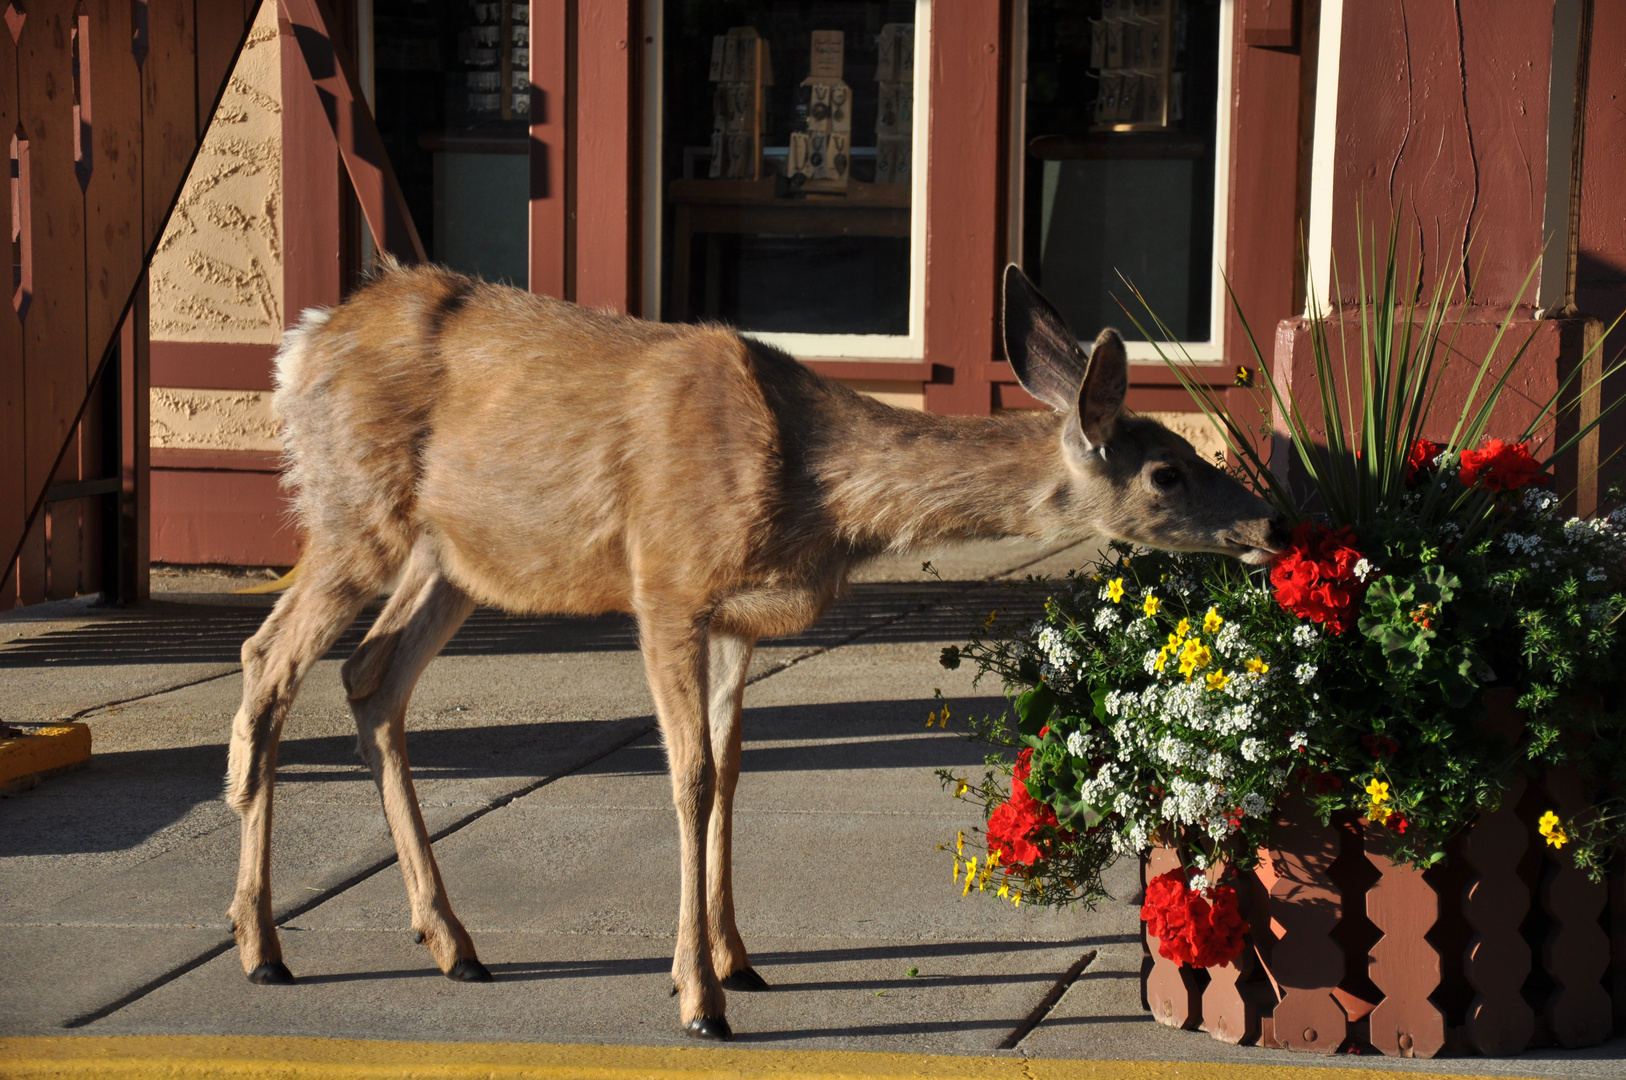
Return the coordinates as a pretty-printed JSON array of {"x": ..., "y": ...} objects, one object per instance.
[{"x": 217, "y": 275}]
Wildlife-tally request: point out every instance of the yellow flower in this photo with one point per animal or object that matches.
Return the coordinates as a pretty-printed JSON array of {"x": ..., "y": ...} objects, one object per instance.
[
  {"x": 1115, "y": 590},
  {"x": 1217, "y": 680},
  {"x": 1378, "y": 815},
  {"x": 1257, "y": 666},
  {"x": 1181, "y": 629},
  {"x": 1553, "y": 830},
  {"x": 1151, "y": 605},
  {"x": 993, "y": 860},
  {"x": 1162, "y": 659},
  {"x": 1004, "y": 890},
  {"x": 931, "y": 718},
  {"x": 970, "y": 872},
  {"x": 1377, "y": 790},
  {"x": 959, "y": 845},
  {"x": 1016, "y": 897},
  {"x": 960, "y": 788},
  {"x": 1212, "y": 621},
  {"x": 992, "y": 615},
  {"x": 1194, "y": 656}
]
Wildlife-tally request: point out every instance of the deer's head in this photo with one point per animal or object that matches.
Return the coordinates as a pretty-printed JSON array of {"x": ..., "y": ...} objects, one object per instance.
[{"x": 1132, "y": 478}]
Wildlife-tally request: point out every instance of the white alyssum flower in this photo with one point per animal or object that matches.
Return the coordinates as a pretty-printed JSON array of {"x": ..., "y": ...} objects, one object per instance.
[
  {"x": 1253, "y": 749},
  {"x": 1298, "y": 740},
  {"x": 1363, "y": 570},
  {"x": 1540, "y": 500},
  {"x": 1107, "y": 619},
  {"x": 1254, "y": 805},
  {"x": 1229, "y": 642},
  {"x": 1305, "y": 672},
  {"x": 1305, "y": 635},
  {"x": 1597, "y": 573},
  {"x": 1078, "y": 744}
]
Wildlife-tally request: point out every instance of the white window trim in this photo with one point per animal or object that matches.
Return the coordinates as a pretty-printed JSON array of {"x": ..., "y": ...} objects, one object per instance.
[
  {"x": 1211, "y": 351},
  {"x": 1318, "y": 255},
  {"x": 861, "y": 347}
]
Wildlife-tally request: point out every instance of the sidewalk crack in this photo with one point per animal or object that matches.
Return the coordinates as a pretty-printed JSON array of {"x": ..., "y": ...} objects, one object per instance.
[{"x": 1047, "y": 1003}]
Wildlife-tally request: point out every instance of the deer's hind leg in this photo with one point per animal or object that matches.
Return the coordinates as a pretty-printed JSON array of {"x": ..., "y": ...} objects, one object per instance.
[
  {"x": 306, "y": 621},
  {"x": 419, "y": 619},
  {"x": 674, "y": 643},
  {"x": 730, "y": 659}
]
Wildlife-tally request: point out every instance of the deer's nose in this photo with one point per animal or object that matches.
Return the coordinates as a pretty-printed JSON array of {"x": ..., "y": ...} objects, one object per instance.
[{"x": 1280, "y": 534}]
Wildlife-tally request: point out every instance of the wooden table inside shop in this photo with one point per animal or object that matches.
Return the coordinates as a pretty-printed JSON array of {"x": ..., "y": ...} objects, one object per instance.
[{"x": 753, "y": 207}]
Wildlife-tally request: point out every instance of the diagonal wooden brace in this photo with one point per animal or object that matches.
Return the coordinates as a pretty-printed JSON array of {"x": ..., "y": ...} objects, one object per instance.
[{"x": 360, "y": 145}]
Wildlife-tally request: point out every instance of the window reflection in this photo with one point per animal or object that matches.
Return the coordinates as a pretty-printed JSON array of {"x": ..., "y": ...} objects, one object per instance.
[
  {"x": 787, "y": 164},
  {"x": 1119, "y": 174}
]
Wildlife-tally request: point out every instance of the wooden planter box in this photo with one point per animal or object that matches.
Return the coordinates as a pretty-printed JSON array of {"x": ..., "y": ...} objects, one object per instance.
[{"x": 1506, "y": 948}]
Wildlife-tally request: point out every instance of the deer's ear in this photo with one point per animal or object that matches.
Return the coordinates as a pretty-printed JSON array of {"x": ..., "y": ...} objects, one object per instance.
[
  {"x": 1101, "y": 398},
  {"x": 1043, "y": 353}
]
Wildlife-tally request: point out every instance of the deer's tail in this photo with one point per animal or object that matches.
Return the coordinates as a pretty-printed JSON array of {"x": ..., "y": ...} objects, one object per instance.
[{"x": 354, "y": 389}]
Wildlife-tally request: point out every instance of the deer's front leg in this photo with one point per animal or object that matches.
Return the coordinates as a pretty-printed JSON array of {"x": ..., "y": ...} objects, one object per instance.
[
  {"x": 730, "y": 658},
  {"x": 675, "y": 648}
]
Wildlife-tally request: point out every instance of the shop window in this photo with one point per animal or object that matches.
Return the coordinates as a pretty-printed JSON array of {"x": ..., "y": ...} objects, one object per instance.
[
  {"x": 786, "y": 169},
  {"x": 1121, "y": 159},
  {"x": 452, "y": 99}
]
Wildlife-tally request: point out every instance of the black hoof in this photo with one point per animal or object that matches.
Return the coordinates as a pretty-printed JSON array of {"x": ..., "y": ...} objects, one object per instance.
[
  {"x": 746, "y": 979},
  {"x": 709, "y": 1027},
  {"x": 272, "y": 973},
  {"x": 674, "y": 992},
  {"x": 469, "y": 969}
]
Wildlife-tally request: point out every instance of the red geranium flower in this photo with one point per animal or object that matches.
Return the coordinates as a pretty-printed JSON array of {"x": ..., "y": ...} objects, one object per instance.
[
  {"x": 1195, "y": 928},
  {"x": 1315, "y": 576},
  {"x": 1421, "y": 459},
  {"x": 1502, "y": 466},
  {"x": 1010, "y": 828}
]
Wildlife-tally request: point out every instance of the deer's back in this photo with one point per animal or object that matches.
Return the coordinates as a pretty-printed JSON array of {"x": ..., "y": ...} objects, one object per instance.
[{"x": 559, "y": 454}]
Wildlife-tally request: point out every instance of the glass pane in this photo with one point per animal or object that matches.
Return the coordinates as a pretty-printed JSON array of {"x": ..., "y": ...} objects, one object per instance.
[
  {"x": 452, "y": 99},
  {"x": 786, "y": 164},
  {"x": 1119, "y": 175}
]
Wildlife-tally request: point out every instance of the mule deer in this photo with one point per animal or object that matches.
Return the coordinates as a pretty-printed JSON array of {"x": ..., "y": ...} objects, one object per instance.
[{"x": 491, "y": 446}]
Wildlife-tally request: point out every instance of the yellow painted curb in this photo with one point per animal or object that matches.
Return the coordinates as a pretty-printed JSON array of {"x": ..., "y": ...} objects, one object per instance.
[
  {"x": 278, "y": 585},
  {"x": 203, "y": 1057},
  {"x": 45, "y": 750}
]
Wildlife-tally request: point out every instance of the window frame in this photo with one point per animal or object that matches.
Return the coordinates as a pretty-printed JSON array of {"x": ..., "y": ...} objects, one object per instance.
[
  {"x": 1205, "y": 352},
  {"x": 856, "y": 347}
]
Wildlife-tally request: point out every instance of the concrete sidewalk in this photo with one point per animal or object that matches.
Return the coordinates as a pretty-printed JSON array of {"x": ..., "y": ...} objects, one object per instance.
[{"x": 540, "y": 775}]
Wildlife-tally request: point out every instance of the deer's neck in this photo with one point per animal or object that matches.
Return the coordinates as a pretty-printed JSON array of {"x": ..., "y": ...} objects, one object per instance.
[{"x": 898, "y": 479}]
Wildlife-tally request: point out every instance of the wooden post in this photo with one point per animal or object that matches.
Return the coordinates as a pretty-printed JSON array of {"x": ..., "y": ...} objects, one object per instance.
[
  {"x": 1171, "y": 988},
  {"x": 1403, "y": 964},
  {"x": 1499, "y": 1022},
  {"x": 1578, "y": 1012},
  {"x": 1306, "y": 903}
]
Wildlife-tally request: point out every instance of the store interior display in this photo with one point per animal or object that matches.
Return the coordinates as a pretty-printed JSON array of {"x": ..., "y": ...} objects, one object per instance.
[{"x": 789, "y": 210}]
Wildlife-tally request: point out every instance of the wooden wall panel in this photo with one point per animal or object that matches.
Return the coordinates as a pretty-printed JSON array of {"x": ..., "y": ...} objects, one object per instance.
[
  {"x": 54, "y": 330},
  {"x": 115, "y": 242},
  {"x": 218, "y": 516},
  {"x": 1443, "y": 109},
  {"x": 169, "y": 107},
  {"x": 964, "y": 246},
  {"x": 550, "y": 108},
  {"x": 607, "y": 200},
  {"x": 1262, "y": 227},
  {"x": 1600, "y": 274},
  {"x": 221, "y": 25},
  {"x": 13, "y": 510},
  {"x": 310, "y": 192}
]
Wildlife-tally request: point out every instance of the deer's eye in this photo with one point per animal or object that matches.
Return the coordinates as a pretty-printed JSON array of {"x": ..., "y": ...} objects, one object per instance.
[{"x": 1166, "y": 476}]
